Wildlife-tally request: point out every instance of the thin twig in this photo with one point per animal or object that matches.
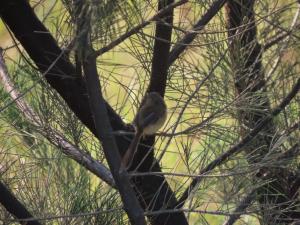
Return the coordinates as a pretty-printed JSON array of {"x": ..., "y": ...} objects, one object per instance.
[
  {"x": 137, "y": 28},
  {"x": 198, "y": 86},
  {"x": 219, "y": 213},
  {"x": 238, "y": 147},
  {"x": 54, "y": 137},
  {"x": 190, "y": 36},
  {"x": 135, "y": 174},
  {"x": 87, "y": 214},
  {"x": 242, "y": 206}
]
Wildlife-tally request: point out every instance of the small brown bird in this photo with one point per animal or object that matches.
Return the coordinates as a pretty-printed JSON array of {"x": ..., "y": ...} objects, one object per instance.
[{"x": 150, "y": 117}]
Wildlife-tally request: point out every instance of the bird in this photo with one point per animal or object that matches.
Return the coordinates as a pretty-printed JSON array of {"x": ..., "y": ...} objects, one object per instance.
[{"x": 150, "y": 117}]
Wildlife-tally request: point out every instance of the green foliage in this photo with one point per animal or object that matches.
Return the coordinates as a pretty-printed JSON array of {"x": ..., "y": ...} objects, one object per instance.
[{"x": 203, "y": 105}]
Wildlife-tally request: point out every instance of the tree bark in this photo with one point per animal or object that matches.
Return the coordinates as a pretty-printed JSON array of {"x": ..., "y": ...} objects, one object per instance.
[{"x": 278, "y": 204}]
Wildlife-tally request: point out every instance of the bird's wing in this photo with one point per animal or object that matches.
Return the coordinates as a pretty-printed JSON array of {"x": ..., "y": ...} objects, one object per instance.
[{"x": 151, "y": 118}]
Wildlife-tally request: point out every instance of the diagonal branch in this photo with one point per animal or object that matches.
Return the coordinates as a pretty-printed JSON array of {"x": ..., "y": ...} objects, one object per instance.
[
  {"x": 239, "y": 147},
  {"x": 110, "y": 148},
  {"x": 43, "y": 50},
  {"x": 54, "y": 137},
  {"x": 14, "y": 206},
  {"x": 181, "y": 45}
]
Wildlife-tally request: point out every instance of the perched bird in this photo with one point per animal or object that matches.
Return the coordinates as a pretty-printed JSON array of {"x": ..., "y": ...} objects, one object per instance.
[{"x": 150, "y": 117}]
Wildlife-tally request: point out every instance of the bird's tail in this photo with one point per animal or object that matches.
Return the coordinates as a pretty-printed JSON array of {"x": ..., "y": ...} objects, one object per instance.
[{"x": 128, "y": 157}]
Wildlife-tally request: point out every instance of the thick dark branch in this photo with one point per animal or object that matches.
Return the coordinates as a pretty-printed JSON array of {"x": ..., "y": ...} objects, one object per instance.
[
  {"x": 110, "y": 148},
  {"x": 43, "y": 50},
  {"x": 181, "y": 45},
  {"x": 159, "y": 73},
  {"x": 239, "y": 147},
  {"x": 163, "y": 11},
  {"x": 246, "y": 60},
  {"x": 12, "y": 205},
  {"x": 54, "y": 137},
  {"x": 163, "y": 34}
]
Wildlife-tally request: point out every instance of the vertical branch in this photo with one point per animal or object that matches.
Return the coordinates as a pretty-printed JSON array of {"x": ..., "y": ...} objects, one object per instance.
[
  {"x": 163, "y": 34},
  {"x": 104, "y": 133},
  {"x": 246, "y": 62},
  {"x": 158, "y": 195},
  {"x": 245, "y": 53}
]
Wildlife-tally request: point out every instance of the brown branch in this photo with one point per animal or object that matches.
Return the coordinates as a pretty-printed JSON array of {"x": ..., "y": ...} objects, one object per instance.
[
  {"x": 181, "y": 45},
  {"x": 42, "y": 48},
  {"x": 110, "y": 148},
  {"x": 160, "y": 14},
  {"x": 239, "y": 147},
  {"x": 163, "y": 34}
]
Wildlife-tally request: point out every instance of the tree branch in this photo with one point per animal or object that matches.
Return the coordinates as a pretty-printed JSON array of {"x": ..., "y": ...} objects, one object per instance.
[
  {"x": 110, "y": 148},
  {"x": 163, "y": 11},
  {"x": 239, "y": 147},
  {"x": 54, "y": 137},
  {"x": 163, "y": 34},
  {"x": 181, "y": 45},
  {"x": 14, "y": 206},
  {"x": 145, "y": 159},
  {"x": 43, "y": 50}
]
